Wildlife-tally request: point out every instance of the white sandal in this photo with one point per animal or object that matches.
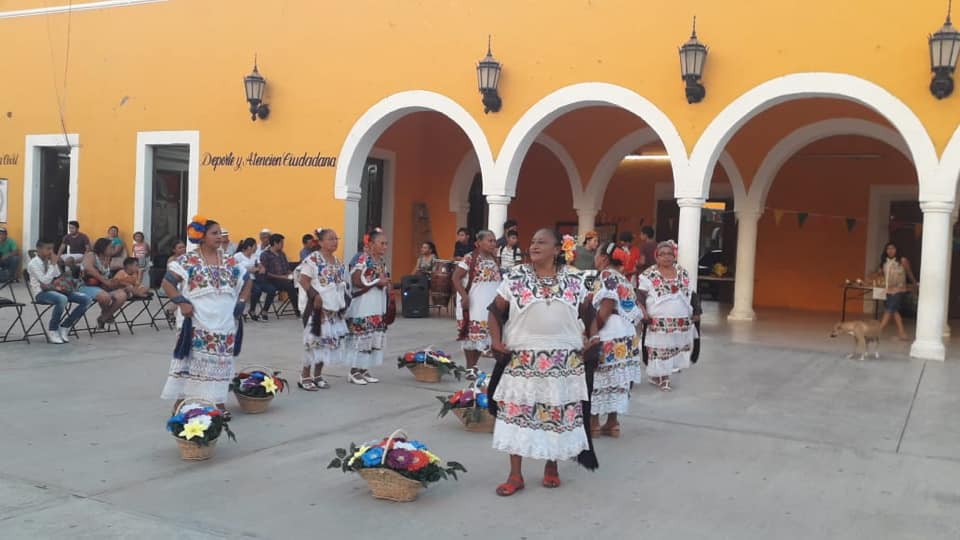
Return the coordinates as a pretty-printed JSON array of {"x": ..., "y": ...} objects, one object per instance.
[{"x": 357, "y": 378}]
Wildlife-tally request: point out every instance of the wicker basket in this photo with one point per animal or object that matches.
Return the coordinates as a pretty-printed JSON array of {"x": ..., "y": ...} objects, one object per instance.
[
  {"x": 254, "y": 405},
  {"x": 391, "y": 485},
  {"x": 425, "y": 373},
  {"x": 485, "y": 425},
  {"x": 189, "y": 450}
]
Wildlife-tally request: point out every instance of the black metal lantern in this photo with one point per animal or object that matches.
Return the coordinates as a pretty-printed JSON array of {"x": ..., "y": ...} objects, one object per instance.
[
  {"x": 944, "y": 49},
  {"x": 488, "y": 80},
  {"x": 254, "y": 84},
  {"x": 693, "y": 55}
]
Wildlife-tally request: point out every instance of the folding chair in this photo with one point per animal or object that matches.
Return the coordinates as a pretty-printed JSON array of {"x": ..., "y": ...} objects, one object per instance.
[
  {"x": 161, "y": 314},
  {"x": 144, "y": 307},
  {"x": 11, "y": 303},
  {"x": 42, "y": 309}
]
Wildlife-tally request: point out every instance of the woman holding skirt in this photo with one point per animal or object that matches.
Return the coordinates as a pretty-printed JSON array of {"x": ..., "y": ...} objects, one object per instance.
[
  {"x": 476, "y": 280},
  {"x": 365, "y": 316},
  {"x": 617, "y": 316},
  {"x": 541, "y": 393},
  {"x": 324, "y": 300},
  {"x": 211, "y": 291},
  {"x": 666, "y": 293}
]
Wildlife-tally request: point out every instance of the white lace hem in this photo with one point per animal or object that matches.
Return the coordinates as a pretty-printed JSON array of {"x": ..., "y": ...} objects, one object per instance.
[
  {"x": 620, "y": 375},
  {"x": 536, "y": 444},
  {"x": 610, "y": 402},
  {"x": 666, "y": 340},
  {"x": 663, "y": 368},
  {"x": 548, "y": 391},
  {"x": 481, "y": 345}
]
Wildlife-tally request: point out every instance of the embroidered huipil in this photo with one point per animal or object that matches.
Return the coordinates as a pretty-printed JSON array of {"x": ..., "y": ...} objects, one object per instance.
[
  {"x": 328, "y": 279},
  {"x": 213, "y": 291},
  {"x": 541, "y": 391},
  {"x": 671, "y": 332},
  {"x": 365, "y": 323},
  {"x": 620, "y": 356},
  {"x": 482, "y": 291}
]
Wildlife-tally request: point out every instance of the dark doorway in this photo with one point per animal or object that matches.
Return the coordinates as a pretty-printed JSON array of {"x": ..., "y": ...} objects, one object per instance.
[
  {"x": 168, "y": 207},
  {"x": 477, "y": 216},
  {"x": 54, "y": 192},
  {"x": 905, "y": 231},
  {"x": 371, "y": 199}
]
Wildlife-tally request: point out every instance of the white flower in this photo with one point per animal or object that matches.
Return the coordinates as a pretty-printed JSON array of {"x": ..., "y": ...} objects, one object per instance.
[
  {"x": 404, "y": 446},
  {"x": 187, "y": 407},
  {"x": 203, "y": 419}
]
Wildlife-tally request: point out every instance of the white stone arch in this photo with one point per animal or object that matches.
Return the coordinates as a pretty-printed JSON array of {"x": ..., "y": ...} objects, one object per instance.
[
  {"x": 788, "y": 146},
  {"x": 371, "y": 125},
  {"x": 949, "y": 171},
  {"x": 813, "y": 85},
  {"x": 469, "y": 167},
  {"x": 577, "y": 96},
  {"x": 608, "y": 164}
]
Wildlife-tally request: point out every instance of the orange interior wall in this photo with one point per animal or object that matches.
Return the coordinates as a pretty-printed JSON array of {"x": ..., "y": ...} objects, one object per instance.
[
  {"x": 803, "y": 267},
  {"x": 543, "y": 194}
]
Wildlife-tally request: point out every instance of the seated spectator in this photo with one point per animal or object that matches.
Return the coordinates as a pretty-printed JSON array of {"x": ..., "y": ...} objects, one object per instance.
[
  {"x": 510, "y": 255},
  {"x": 245, "y": 259},
  {"x": 98, "y": 284},
  {"x": 278, "y": 273},
  {"x": 462, "y": 247},
  {"x": 75, "y": 242},
  {"x": 428, "y": 254},
  {"x": 309, "y": 246},
  {"x": 264, "y": 244},
  {"x": 118, "y": 249},
  {"x": 9, "y": 257},
  {"x": 131, "y": 278},
  {"x": 51, "y": 288}
]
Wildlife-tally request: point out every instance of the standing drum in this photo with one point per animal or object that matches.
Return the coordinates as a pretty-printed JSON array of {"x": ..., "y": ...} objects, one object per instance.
[{"x": 441, "y": 285}]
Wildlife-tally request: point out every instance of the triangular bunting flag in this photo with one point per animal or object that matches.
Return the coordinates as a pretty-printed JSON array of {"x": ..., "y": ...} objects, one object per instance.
[
  {"x": 918, "y": 230},
  {"x": 777, "y": 216},
  {"x": 851, "y": 223},
  {"x": 802, "y": 218}
]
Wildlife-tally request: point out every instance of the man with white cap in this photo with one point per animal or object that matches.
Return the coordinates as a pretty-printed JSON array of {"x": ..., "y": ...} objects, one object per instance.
[
  {"x": 264, "y": 243},
  {"x": 228, "y": 247}
]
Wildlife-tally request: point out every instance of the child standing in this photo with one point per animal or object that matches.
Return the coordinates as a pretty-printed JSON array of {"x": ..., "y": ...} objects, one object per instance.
[{"x": 509, "y": 255}]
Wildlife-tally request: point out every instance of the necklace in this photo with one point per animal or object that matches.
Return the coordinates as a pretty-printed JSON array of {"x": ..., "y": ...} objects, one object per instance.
[{"x": 547, "y": 286}]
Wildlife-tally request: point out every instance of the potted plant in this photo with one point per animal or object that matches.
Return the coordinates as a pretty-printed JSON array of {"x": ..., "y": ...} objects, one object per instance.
[
  {"x": 196, "y": 425},
  {"x": 429, "y": 365},
  {"x": 255, "y": 387}
]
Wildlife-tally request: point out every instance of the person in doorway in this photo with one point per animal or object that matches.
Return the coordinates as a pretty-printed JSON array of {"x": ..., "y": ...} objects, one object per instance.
[
  {"x": 509, "y": 255},
  {"x": 586, "y": 252},
  {"x": 508, "y": 225},
  {"x": 895, "y": 271},
  {"x": 324, "y": 303},
  {"x": 278, "y": 274},
  {"x": 98, "y": 283},
  {"x": 462, "y": 246},
  {"x": 365, "y": 316},
  {"x": 49, "y": 287},
  {"x": 75, "y": 242},
  {"x": 476, "y": 280},
  {"x": 130, "y": 279},
  {"x": 211, "y": 292},
  {"x": 309, "y": 243},
  {"x": 9, "y": 257},
  {"x": 617, "y": 316},
  {"x": 425, "y": 260},
  {"x": 117, "y": 249},
  {"x": 664, "y": 289},
  {"x": 648, "y": 249},
  {"x": 539, "y": 388},
  {"x": 626, "y": 244}
]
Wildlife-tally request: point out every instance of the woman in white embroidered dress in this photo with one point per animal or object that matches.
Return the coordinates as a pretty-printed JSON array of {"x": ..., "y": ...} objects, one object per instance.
[
  {"x": 481, "y": 263},
  {"x": 211, "y": 290},
  {"x": 665, "y": 290},
  {"x": 617, "y": 317},
  {"x": 323, "y": 279},
  {"x": 541, "y": 392},
  {"x": 365, "y": 316}
]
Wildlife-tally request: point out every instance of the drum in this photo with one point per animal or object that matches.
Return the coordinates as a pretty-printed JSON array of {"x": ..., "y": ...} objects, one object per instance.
[{"x": 441, "y": 286}]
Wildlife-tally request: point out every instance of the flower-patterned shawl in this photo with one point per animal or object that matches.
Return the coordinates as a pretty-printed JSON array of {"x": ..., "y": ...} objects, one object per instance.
[
  {"x": 200, "y": 279},
  {"x": 370, "y": 268},
  {"x": 611, "y": 285},
  {"x": 328, "y": 279},
  {"x": 660, "y": 289},
  {"x": 524, "y": 289}
]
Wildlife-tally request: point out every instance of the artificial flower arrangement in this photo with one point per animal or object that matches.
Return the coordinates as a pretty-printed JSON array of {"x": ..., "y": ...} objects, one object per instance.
[
  {"x": 470, "y": 406},
  {"x": 255, "y": 387},
  {"x": 429, "y": 365},
  {"x": 395, "y": 468},
  {"x": 568, "y": 246},
  {"x": 197, "y": 425}
]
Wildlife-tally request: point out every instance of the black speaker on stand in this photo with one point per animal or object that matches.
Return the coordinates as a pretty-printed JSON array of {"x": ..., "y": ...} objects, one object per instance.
[{"x": 415, "y": 291}]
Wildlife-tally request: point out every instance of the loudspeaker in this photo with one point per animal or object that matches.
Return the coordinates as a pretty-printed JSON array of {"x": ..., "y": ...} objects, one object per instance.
[{"x": 416, "y": 296}]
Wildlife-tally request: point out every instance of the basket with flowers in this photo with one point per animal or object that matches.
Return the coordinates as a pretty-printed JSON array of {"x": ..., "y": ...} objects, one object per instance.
[
  {"x": 429, "y": 365},
  {"x": 255, "y": 387},
  {"x": 395, "y": 468},
  {"x": 196, "y": 425},
  {"x": 470, "y": 406}
]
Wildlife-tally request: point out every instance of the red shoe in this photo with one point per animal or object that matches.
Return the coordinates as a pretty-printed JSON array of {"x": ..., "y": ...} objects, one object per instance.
[
  {"x": 551, "y": 479},
  {"x": 513, "y": 484}
]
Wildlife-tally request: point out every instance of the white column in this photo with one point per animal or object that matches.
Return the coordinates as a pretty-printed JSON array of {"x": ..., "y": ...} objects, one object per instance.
[
  {"x": 946, "y": 297},
  {"x": 351, "y": 222},
  {"x": 688, "y": 235},
  {"x": 934, "y": 281},
  {"x": 746, "y": 265},
  {"x": 587, "y": 220},
  {"x": 497, "y": 213}
]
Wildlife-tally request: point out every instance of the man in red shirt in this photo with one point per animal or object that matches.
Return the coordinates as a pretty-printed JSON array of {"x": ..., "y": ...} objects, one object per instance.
[{"x": 626, "y": 242}]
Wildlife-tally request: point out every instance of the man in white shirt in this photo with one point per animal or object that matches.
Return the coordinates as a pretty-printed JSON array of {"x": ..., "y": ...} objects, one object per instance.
[
  {"x": 43, "y": 271},
  {"x": 264, "y": 243},
  {"x": 228, "y": 247}
]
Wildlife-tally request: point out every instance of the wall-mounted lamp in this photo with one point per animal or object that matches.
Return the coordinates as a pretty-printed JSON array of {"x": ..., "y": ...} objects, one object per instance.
[
  {"x": 488, "y": 80},
  {"x": 944, "y": 48},
  {"x": 254, "y": 84},
  {"x": 693, "y": 55}
]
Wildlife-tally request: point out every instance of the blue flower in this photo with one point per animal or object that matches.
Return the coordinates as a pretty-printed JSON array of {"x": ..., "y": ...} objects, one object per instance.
[
  {"x": 420, "y": 357},
  {"x": 482, "y": 401},
  {"x": 174, "y": 420},
  {"x": 628, "y": 304},
  {"x": 418, "y": 445},
  {"x": 373, "y": 457}
]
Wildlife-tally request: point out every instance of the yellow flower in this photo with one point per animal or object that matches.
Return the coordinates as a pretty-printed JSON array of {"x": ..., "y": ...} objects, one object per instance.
[
  {"x": 620, "y": 351},
  {"x": 193, "y": 428},
  {"x": 269, "y": 385},
  {"x": 432, "y": 456},
  {"x": 444, "y": 360},
  {"x": 359, "y": 453}
]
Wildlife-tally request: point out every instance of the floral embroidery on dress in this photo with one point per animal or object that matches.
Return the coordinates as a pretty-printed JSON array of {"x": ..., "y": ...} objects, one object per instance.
[
  {"x": 619, "y": 349},
  {"x": 202, "y": 276},
  {"x": 370, "y": 267},
  {"x": 557, "y": 419},
  {"x": 327, "y": 273},
  {"x": 476, "y": 330},
  {"x": 487, "y": 269},
  {"x": 663, "y": 286},
  {"x": 556, "y": 363},
  {"x": 526, "y": 288},
  {"x": 212, "y": 342},
  {"x": 615, "y": 282},
  {"x": 366, "y": 325},
  {"x": 669, "y": 325}
]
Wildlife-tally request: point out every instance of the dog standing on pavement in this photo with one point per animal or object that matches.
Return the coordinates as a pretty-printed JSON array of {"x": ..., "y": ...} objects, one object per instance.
[{"x": 864, "y": 333}]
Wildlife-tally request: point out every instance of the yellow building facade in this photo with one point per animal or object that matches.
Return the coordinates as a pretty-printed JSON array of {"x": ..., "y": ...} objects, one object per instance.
[{"x": 818, "y": 139}]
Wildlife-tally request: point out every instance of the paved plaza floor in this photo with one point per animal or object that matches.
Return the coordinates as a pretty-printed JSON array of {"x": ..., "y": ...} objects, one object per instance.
[{"x": 772, "y": 435}]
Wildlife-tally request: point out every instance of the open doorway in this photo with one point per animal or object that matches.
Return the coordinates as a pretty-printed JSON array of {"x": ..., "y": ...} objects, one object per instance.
[
  {"x": 169, "y": 199},
  {"x": 371, "y": 202},
  {"x": 54, "y": 193},
  {"x": 477, "y": 216}
]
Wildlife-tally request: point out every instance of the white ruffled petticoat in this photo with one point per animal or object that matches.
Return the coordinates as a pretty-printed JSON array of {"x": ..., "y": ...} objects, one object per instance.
[{"x": 327, "y": 348}]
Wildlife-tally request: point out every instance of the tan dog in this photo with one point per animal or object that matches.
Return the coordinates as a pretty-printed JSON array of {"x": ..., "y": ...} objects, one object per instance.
[{"x": 864, "y": 333}]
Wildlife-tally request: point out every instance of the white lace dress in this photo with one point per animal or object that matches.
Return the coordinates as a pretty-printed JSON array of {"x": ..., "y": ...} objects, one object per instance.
[
  {"x": 365, "y": 323},
  {"x": 329, "y": 281},
  {"x": 483, "y": 290},
  {"x": 213, "y": 292},
  {"x": 620, "y": 356},
  {"x": 540, "y": 393},
  {"x": 671, "y": 332}
]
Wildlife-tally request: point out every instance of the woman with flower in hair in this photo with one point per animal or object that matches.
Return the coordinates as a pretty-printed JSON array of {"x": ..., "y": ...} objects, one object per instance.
[
  {"x": 323, "y": 279},
  {"x": 476, "y": 280},
  {"x": 367, "y": 327},
  {"x": 211, "y": 290},
  {"x": 617, "y": 317},
  {"x": 664, "y": 288}
]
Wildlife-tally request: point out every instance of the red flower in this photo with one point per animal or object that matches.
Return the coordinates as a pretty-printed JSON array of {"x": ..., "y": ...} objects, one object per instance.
[
  {"x": 215, "y": 412},
  {"x": 455, "y": 398},
  {"x": 418, "y": 460}
]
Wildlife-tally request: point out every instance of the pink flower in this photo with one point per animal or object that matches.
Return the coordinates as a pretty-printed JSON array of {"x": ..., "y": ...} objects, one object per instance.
[{"x": 544, "y": 363}]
